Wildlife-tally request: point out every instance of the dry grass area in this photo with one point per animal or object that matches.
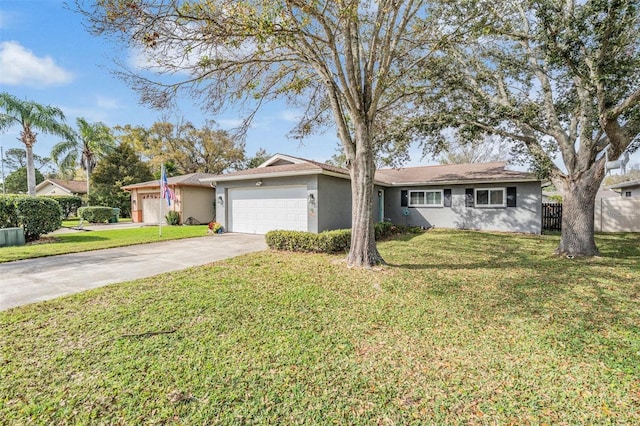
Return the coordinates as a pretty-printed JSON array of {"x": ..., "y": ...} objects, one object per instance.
[{"x": 460, "y": 328}]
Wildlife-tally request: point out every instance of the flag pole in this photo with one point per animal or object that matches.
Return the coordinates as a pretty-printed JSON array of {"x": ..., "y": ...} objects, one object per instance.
[{"x": 161, "y": 199}]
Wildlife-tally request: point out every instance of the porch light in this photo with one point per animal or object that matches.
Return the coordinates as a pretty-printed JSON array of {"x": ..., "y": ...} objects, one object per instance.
[
  {"x": 220, "y": 200},
  {"x": 312, "y": 199}
]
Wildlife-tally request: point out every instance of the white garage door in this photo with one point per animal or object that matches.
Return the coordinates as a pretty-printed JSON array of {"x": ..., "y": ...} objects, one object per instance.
[
  {"x": 151, "y": 209},
  {"x": 259, "y": 210}
]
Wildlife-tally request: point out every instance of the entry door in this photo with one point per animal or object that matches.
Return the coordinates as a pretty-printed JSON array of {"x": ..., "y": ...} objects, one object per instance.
[{"x": 259, "y": 210}]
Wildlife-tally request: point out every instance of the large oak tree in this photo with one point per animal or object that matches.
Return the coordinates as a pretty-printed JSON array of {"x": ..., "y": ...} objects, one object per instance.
[
  {"x": 345, "y": 61},
  {"x": 559, "y": 77}
]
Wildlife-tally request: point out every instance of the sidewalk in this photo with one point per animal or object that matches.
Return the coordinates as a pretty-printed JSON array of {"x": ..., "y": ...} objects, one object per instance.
[{"x": 33, "y": 280}]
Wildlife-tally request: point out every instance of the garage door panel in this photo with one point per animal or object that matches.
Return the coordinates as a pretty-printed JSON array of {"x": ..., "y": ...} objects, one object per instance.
[{"x": 259, "y": 210}]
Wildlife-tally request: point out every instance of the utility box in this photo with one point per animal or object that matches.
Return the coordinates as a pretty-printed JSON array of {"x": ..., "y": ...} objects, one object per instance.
[{"x": 11, "y": 237}]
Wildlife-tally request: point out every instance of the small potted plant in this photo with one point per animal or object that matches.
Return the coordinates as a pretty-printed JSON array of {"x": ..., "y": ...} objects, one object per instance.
[{"x": 215, "y": 228}]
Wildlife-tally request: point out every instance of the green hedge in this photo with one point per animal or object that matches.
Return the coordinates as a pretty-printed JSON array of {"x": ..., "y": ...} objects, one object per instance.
[
  {"x": 173, "y": 218},
  {"x": 324, "y": 242},
  {"x": 95, "y": 214},
  {"x": 328, "y": 241},
  {"x": 69, "y": 203},
  {"x": 36, "y": 215}
]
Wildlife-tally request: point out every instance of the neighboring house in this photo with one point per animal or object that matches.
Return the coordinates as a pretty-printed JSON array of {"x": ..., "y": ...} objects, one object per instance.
[
  {"x": 61, "y": 187},
  {"x": 627, "y": 189},
  {"x": 193, "y": 199},
  {"x": 292, "y": 193}
]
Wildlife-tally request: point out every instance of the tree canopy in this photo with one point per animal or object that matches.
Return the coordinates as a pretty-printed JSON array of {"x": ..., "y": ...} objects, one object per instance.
[
  {"x": 31, "y": 117},
  {"x": 16, "y": 181},
  {"x": 558, "y": 78},
  {"x": 186, "y": 148},
  {"x": 120, "y": 168}
]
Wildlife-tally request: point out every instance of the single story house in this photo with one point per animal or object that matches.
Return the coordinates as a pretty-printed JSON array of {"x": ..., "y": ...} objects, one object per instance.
[
  {"x": 61, "y": 187},
  {"x": 293, "y": 193},
  {"x": 193, "y": 199},
  {"x": 627, "y": 189}
]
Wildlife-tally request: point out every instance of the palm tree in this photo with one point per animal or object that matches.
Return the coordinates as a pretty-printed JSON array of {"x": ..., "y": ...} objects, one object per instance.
[
  {"x": 31, "y": 116},
  {"x": 91, "y": 142}
]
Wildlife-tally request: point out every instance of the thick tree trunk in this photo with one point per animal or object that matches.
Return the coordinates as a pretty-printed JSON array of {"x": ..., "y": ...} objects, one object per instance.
[
  {"x": 578, "y": 207},
  {"x": 31, "y": 171},
  {"x": 363, "y": 252}
]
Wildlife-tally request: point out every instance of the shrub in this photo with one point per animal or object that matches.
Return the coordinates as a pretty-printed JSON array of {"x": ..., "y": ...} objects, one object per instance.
[
  {"x": 329, "y": 241},
  {"x": 383, "y": 230},
  {"x": 324, "y": 242},
  {"x": 95, "y": 214},
  {"x": 36, "y": 215},
  {"x": 68, "y": 203},
  {"x": 173, "y": 218}
]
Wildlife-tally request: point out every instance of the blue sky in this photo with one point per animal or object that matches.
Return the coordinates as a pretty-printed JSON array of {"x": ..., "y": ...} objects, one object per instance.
[{"x": 46, "y": 55}]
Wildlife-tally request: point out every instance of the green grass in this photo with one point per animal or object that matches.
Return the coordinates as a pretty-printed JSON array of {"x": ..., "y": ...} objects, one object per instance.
[
  {"x": 94, "y": 240},
  {"x": 460, "y": 328},
  {"x": 74, "y": 222}
]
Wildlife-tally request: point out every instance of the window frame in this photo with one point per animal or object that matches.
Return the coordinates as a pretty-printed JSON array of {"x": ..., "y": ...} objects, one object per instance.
[
  {"x": 424, "y": 192},
  {"x": 489, "y": 205},
  {"x": 627, "y": 194}
]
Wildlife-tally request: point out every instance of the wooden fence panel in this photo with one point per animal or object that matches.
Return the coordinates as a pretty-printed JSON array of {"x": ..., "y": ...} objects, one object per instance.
[{"x": 552, "y": 216}]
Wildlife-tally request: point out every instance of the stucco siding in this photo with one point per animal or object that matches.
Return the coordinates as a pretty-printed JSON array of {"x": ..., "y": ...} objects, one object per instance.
[
  {"x": 525, "y": 217},
  {"x": 52, "y": 189},
  {"x": 334, "y": 203},
  {"x": 223, "y": 188},
  {"x": 197, "y": 203}
]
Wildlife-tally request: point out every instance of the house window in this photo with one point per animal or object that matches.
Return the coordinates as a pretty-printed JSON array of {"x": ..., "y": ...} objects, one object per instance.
[
  {"x": 491, "y": 197},
  {"x": 627, "y": 194},
  {"x": 425, "y": 198}
]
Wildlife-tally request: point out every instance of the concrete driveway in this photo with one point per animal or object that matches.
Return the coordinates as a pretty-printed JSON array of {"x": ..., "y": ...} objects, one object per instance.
[{"x": 34, "y": 280}]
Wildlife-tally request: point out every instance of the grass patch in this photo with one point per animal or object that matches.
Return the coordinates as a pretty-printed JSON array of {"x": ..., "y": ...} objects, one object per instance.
[
  {"x": 461, "y": 328},
  {"x": 94, "y": 240}
]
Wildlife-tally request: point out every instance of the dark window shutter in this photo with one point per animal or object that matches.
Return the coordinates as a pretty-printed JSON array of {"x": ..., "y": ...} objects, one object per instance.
[
  {"x": 511, "y": 196},
  {"x": 447, "y": 197},
  {"x": 469, "y": 202},
  {"x": 404, "y": 198}
]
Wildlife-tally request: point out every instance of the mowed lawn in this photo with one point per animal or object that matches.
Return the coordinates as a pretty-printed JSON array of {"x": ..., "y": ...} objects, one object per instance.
[
  {"x": 462, "y": 327},
  {"x": 75, "y": 242}
]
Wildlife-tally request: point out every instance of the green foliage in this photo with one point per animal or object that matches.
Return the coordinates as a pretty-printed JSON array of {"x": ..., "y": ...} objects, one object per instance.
[
  {"x": 324, "y": 242},
  {"x": 36, "y": 215},
  {"x": 95, "y": 214},
  {"x": 16, "y": 182},
  {"x": 173, "y": 218},
  {"x": 68, "y": 203},
  {"x": 327, "y": 241},
  {"x": 120, "y": 168}
]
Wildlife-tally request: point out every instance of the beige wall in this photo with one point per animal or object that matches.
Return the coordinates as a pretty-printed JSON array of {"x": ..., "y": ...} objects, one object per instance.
[
  {"x": 617, "y": 215},
  {"x": 51, "y": 189},
  {"x": 198, "y": 203}
]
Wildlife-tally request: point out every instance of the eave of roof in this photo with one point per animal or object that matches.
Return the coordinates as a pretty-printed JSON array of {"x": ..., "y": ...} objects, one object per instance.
[{"x": 625, "y": 184}]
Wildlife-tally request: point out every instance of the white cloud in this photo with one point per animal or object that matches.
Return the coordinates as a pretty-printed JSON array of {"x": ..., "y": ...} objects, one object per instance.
[
  {"x": 105, "y": 102},
  {"x": 21, "y": 66}
]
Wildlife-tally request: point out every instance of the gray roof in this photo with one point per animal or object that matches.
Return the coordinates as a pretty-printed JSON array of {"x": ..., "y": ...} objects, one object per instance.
[
  {"x": 280, "y": 165},
  {"x": 628, "y": 184}
]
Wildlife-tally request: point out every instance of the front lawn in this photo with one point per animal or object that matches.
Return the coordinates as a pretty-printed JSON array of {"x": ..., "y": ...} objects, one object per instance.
[
  {"x": 461, "y": 328},
  {"x": 95, "y": 240}
]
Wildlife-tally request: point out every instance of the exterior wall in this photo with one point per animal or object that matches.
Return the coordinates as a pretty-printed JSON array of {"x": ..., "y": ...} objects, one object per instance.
[
  {"x": 617, "y": 215},
  {"x": 525, "y": 217},
  {"x": 198, "y": 203},
  {"x": 635, "y": 191},
  {"x": 334, "y": 203},
  {"x": 310, "y": 181},
  {"x": 51, "y": 189}
]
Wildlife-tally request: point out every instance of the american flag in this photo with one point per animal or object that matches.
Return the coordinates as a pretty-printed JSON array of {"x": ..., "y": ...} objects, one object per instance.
[{"x": 166, "y": 192}]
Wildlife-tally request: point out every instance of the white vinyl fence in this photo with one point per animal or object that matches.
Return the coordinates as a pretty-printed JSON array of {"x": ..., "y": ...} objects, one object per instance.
[{"x": 617, "y": 215}]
